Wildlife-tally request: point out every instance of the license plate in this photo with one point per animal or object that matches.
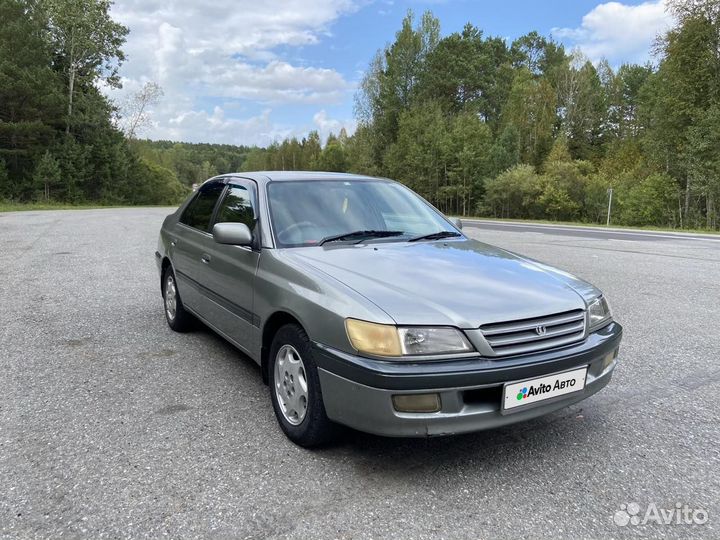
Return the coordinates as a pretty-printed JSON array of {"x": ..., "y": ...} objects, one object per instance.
[{"x": 524, "y": 393}]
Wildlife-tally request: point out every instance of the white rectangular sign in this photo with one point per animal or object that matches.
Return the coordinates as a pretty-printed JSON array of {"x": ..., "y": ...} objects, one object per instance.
[{"x": 542, "y": 388}]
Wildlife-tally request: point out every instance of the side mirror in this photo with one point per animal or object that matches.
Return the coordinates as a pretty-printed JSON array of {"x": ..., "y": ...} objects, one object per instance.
[
  {"x": 457, "y": 222},
  {"x": 234, "y": 234}
]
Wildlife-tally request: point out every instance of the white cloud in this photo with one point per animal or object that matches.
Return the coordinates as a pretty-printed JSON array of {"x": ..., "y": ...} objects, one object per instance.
[
  {"x": 225, "y": 50},
  {"x": 275, "y": 82},
  {"x": 185, "y": 124},
  {"x": 201, "y": 126},
  {"x": 618, "y": 32},
  {"x": 236, "y": 26}
]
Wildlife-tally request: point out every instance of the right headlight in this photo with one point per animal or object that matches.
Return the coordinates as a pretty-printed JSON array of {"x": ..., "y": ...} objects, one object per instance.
[
  {"x": 598, "y": 313},
  {"x": 389, "y": 340}
]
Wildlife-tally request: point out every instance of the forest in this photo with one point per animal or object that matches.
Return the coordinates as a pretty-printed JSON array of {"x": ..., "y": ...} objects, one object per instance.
[
  {"x": 475, "y": 124},
  {"x": 479, "y": 126}
]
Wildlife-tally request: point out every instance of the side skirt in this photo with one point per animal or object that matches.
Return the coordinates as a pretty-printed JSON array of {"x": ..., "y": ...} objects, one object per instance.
[{"x": 224, "y": 335}]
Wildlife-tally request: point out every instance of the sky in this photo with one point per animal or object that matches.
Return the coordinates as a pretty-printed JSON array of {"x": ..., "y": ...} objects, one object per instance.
[{"x": 252, "y": 72}]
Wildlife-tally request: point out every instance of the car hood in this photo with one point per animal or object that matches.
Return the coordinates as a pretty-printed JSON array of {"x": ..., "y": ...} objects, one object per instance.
[{"x": 462, "y": 283}]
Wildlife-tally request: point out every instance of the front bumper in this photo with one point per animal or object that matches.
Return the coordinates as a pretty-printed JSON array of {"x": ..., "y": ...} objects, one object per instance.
[{"x": 358, "y": 391}]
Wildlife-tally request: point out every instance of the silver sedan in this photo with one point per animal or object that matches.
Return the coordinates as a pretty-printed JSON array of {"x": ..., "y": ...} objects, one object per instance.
[{"x": 366, "y": 307}]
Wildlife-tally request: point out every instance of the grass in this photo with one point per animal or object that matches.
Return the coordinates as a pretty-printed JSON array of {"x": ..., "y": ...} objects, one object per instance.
[
  {"x": 596, "y": 225},
  {"x": 23, "y": 207}
]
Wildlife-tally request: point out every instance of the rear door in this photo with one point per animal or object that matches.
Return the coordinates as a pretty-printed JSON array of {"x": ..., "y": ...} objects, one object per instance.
[
  {"x": 191, "y": 243},
  {"x": 230, "y": 274}
]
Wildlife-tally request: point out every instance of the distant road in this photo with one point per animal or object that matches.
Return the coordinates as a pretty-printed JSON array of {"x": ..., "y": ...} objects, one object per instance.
[{"x": 586, "y": 232}]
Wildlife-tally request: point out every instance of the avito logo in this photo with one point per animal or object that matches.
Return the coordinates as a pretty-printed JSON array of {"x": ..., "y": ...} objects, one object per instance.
[{"x": 544, "y": 388}]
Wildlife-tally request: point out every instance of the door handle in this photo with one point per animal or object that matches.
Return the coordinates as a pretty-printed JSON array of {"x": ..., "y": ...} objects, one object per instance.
[
  {"x": 173, "y": 242},
  {"x": 205, "y": 258}
]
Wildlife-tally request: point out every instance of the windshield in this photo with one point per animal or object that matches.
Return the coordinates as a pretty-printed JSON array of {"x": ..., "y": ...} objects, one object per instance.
[{"x": 304, "y": 213}]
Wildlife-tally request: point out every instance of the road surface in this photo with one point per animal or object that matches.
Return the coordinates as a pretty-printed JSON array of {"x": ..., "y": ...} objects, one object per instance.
[{"x": 113, "y": 426}]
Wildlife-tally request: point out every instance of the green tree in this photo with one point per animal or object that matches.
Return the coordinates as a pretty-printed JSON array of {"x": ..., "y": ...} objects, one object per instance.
[
  {"x": 513, "y": 193},
  {"x": 292, "y": 154},
  {"x": 537, "y": 54},
  {"x": 652, "y": 201},
  {"x": 30, "y": 101},
  {"x": 359, "y": 151},
  {"x": 311, "y": 150},
  {"x": 622, "y": 168},
  {"x": 556, "y": 203},
  {"x": 583, "y": 105},
  {"x": 75, "y": 168},
  {"x": 135, "y": 110},
  {"x": 205, "y": 171},
  {"x": 531, "y": 110},
  {"x": 468, "y": 154},
  {"x": 4, "y": 182},
  {"x": 560, "y": 152},
  {"x": 466, "y": 71},
  {"x": 624, "y": 91},
  {"x": 505, "y": 151},
  {"x": 390, "y": 84},
  {"x": 703, "y": 161},
  {"x": 256, "y": 160},
  {"x": 418, "y": 158},
  {"x": 87, "y": 44},
  {"x": 333, "y": 156},
  {"x": 682, "y": 92},
  {"x": 47, "y": 175},
  {"x": 155, "y": 185}
]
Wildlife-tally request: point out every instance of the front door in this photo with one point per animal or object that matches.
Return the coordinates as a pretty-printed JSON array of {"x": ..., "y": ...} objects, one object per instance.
[{"x": 230, "y": 272}]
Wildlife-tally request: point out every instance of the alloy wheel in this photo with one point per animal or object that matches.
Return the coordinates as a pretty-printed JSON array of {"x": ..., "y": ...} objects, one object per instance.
[{"x": 291, "y": 388}]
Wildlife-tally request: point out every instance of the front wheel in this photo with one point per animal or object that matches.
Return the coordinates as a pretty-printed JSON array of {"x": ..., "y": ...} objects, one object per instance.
[
  {"x": 175, "y": 314},
  {"x": 295, "y": 389}
]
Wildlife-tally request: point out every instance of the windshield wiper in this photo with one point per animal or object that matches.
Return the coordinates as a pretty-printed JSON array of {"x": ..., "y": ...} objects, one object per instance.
[
  {"x": 436, "y": 236},
  {"x": 359, "y": 234}
]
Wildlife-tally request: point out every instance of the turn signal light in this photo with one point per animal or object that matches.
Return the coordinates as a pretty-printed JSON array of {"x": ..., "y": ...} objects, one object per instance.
[{"x": 609, "y": 357}]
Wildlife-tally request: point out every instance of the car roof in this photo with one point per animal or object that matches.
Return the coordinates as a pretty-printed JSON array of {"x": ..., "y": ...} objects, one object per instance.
[{"x": 297, "y": 176}]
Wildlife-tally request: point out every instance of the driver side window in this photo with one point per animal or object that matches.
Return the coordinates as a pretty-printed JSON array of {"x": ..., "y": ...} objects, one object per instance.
[{"x": 237, "y": 207}]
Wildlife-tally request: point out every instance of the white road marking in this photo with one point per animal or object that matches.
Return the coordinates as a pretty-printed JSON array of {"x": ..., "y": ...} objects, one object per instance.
[{"x": 658, "y": 234}]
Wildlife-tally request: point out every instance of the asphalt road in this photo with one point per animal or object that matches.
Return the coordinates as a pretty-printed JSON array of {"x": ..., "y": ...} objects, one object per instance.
[{"x": 113, "y": 426}]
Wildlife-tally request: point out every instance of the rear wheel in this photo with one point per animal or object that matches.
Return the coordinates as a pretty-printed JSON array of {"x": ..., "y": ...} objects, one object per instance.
[
  {"x": 177, "y": 317},
  {"x": 295, "y": 389}
]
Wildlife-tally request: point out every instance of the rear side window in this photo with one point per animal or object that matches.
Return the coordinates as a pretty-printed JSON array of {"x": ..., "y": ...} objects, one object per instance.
[
  {"x": 200, "y": 209},
  {"x": 237, "y": 207}
]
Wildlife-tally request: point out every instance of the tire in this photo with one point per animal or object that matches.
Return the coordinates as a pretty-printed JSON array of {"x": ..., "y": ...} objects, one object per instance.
[
  {"x": 175, "y": 314},
  {"x": 295, "y": 389}
]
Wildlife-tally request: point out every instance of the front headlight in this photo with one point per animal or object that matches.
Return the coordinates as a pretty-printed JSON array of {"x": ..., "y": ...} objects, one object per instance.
[
  {"x": 389, "y": 340},
  {"x": 598, "y": 313}
]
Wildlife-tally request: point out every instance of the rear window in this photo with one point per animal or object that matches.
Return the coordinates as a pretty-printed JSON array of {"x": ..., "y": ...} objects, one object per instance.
[{"x": 199, "y": 212}]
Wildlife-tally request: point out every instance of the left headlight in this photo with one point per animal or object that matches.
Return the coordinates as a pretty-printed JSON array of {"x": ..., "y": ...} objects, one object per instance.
[
  {"x": 598, "y": 313},
  {"x": 389, "y": 340}
]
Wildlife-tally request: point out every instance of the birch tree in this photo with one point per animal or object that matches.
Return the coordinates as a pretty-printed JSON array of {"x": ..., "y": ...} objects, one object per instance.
[
  {"x": 87, "y": 44},
  {"x": 136, "y": 110}
]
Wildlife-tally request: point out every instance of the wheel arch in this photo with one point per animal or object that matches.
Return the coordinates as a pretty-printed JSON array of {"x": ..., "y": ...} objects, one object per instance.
[
  {"x": 273, "y": 323},
  {"x": 163, "y": 268}
]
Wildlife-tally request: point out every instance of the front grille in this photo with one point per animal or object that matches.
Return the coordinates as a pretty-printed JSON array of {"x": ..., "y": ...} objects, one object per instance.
[{"x": 526, "y": 335}]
